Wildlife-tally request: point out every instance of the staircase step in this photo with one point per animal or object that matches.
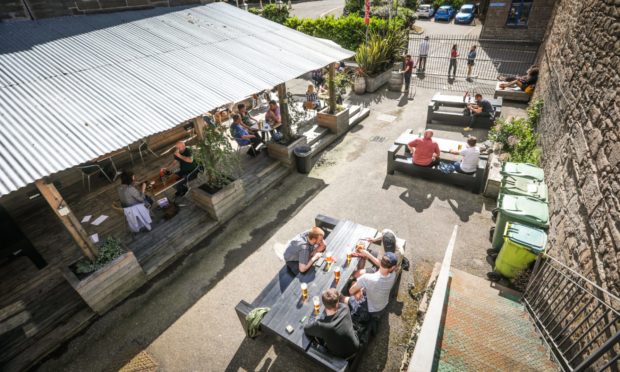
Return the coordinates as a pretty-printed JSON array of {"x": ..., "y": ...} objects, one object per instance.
[
  {"x": 361, "y": 115},
  {"x": 353, "y": 110},
  {"x": 322, "y": 143},
  {"x": 314, "y": 133}
]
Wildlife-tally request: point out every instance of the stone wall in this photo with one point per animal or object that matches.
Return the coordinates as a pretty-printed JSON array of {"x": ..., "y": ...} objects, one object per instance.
[
  {"x": 580, "y": 133},
  {"x": 16, "y": 9},
  {"x": 497, "y": 14}
]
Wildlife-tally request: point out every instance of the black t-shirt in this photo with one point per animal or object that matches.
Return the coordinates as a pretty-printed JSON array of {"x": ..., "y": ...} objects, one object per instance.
[
  {"x": 336, "y": 332},
  {"x": 485, "y": 105},
  {"x": 184, "y": 166}
]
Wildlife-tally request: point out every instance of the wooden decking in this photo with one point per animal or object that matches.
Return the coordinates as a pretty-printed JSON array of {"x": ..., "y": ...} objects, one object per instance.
[{"x": 51, "y": 302}]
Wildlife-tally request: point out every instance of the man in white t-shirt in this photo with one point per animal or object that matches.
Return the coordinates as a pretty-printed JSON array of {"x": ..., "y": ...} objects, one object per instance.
[
  {"x": 370, "y": 294},
  {"x": 471, "y": 154},
  {"x": 389, "y": 243},
  {"x": 424, "y": 46}
]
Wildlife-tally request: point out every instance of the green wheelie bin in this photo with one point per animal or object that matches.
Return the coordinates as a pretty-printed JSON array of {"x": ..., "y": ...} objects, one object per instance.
[
  {"x": 522, "y": 245},
  {"x": 516, "y": 185},
  {"x": 523, "y": 209},
  {"x": 523, "y": 170}
]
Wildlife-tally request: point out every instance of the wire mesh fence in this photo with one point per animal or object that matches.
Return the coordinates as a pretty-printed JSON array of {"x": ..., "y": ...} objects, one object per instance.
[{"x": 494, "y": 57}]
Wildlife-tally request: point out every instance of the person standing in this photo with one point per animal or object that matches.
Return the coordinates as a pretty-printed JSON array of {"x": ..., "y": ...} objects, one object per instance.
[
  {"x": 471, "y": 57},
  {"x": 425, "y": 151},
  {"x": 424, "y": 46},
  {"x": 452, "y": 67},
  {"x": 408, "y": 71},
  {"x": 187, "y": 166}
]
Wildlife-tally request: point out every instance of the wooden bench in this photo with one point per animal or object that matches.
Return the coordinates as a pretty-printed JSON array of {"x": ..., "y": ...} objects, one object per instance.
[
  {"x": 512, "y": 94},
  {"x": 272, "y": 292},
  {"x": 450, "y": 110},
  {"x": 404, "y": 164}
]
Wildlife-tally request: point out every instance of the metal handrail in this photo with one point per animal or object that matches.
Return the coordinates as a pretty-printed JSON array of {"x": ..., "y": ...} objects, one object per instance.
[{"x": 579, "y": 320}]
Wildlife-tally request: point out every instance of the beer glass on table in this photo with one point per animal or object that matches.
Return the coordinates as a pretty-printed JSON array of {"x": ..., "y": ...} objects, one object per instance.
[
  {"x": 337, "y": 273},
  {"x": 304, "y": 290},
  {"x": 349, "y": 255},
  {"x": 317, "y": 304}
]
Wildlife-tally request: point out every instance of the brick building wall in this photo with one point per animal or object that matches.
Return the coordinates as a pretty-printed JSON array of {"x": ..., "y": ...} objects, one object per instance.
[
  {"x": 496, "y": 15},
  {"x": 17, "y": 9},
  {"x": 580, "y": 134}
]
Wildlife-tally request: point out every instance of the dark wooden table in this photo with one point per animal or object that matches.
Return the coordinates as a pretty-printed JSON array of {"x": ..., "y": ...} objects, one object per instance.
[
  {"x": 290, "y": 308},
  {"x": 156, "y": 185}
]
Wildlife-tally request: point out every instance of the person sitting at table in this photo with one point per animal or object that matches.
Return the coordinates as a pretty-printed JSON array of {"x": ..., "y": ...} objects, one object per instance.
[
  {"x": 370, "y": 294},
  {"x": 187, "y": 167},
  {"x": 424, "y": 151},
  {"x": 312, "y": 99},
  {"x": 244, "y": 137},
  {"x": 272, "y": 116},
  {"x": 471, "y": 154},
  {"x": 133, "y": 203},
  {"x": 389, "y": 243},
  {"x": 247, "y": 119},
  {"x": 303, "y": 250},
  {"x": 334, "y": 331},
  {"x": 482, "y": 108}
]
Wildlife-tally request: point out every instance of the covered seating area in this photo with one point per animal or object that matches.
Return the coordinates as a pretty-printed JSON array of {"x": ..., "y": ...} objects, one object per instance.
[{"x": 86, "y": 97}]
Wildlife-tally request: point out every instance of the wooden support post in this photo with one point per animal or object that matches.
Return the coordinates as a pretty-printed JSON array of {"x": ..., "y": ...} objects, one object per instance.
[
  {"x": 284, "y": 114},
  {"x": 68, "y": 219},
  {"x": 199, "y": 125},
  {"x": 332, "y": 88}
]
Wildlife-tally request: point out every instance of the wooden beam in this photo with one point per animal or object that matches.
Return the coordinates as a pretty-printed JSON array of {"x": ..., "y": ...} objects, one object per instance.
[
  {"x": 286, "y": 118},
  {"x": 332, "y": 88},
  {"x": 199, "y": 125},
  {"x": 68, "y": 219}
]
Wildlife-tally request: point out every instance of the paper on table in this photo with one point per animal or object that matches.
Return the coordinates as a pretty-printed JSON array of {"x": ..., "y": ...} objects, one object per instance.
[
  {"x": 99, "y": 220},
  {"x": 86, "y": 218},
  {"x": 94, "y": 238}
]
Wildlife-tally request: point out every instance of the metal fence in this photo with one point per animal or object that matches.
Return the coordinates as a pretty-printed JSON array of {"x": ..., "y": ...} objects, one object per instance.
[
  {"x": 579, "y": 320},
  {"x": 494, "y": 57}
]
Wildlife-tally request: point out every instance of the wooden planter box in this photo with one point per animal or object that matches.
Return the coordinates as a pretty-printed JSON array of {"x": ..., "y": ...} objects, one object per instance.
[
  {"x": 222, "y": 204},
  {"x": 375, "y": 82},
  {"x": 109, "y": 285},
  {"x": 338, "y": 123},
  {"x": 285, "y": 153}
]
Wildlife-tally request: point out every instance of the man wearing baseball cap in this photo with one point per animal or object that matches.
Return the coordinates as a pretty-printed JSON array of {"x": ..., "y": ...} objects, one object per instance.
[
  {"x": 389, "y": 243},
  {"x": 370, "y": 294}
]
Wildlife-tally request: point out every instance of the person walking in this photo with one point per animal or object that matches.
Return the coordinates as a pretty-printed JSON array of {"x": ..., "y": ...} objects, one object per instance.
[
  {"x": 452, "y": 67},
  {"x": 424, "y": 46},
  {"x": 407, "y": 71},
  {"x": 471, "y": 57}
]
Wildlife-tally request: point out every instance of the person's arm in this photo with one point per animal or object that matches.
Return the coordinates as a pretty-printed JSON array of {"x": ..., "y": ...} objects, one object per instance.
[
  {"x": 187, "y": 159},
  {"x": 375, "y": 261},
  {"x": 357, "y": 286},
  {"x": 437, "y": 152},
  {"x": 314, "y": 329},
  {"x": 136, "y": 195},
  {"x": 411, "y": 145},
  {"x": 303, "y": 257}
]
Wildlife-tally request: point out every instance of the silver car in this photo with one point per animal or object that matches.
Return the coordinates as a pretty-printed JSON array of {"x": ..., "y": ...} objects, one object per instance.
[{"x": 425, "y": 11}]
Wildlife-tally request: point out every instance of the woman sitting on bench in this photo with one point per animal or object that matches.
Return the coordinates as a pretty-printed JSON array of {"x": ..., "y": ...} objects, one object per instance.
[{"x": 471, "y": 156}]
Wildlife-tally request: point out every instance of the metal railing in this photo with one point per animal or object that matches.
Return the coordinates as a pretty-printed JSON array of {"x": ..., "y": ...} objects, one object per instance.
[
  {"x": 494, "y": 57},
  {"x": 579, "y": 320}
]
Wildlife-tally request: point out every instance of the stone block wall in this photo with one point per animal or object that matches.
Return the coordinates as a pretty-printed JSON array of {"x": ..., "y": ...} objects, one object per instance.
[
  {"x": 16, "y": 9},
  {"x": 497, "y": 13},
  {"x": 580, "y": 134}
]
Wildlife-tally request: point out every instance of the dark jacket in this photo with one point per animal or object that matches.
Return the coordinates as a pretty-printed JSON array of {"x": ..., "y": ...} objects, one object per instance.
[{"x": 336, "y": 333}]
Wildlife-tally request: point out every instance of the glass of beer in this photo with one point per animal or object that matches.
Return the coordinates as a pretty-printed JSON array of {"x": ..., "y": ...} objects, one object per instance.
[
  {"x": 337, "y": 273},
  {"x": 328, "y": 257},
  {"x": 460, "y": 147},
  {"x": 360, "y": 245},
  {"x": 349, "y": 257},
  {"x": 304, "y": 290},
  {"x": 317, "y": 304}
]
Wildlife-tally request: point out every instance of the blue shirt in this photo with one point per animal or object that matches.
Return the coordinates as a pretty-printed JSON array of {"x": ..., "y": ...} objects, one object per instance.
[
  {"x": 471, "y": 55},
  {"x": 485, "y": 105},
  {"x": 238, "y": 132}
]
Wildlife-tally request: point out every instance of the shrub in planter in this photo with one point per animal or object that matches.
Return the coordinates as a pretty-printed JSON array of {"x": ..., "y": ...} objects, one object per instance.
[
  {"x": 381, "y": 51},
  {"x": 518, "y": 138},
  {"x": 109, "y": 250}
]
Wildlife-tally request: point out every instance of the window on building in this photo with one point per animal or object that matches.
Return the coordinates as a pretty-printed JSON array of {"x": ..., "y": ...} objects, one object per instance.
[{"x": 519, "y": 13}]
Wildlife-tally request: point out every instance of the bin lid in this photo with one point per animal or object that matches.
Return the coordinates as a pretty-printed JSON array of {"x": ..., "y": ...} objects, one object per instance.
[
  {"x": 529, "y": 237},
  {"x": 523, "y": 170},
  {"x": 302, "y": 150},
  {"x": 524, "y": 186},
  {"x": 525, "y": 209}
]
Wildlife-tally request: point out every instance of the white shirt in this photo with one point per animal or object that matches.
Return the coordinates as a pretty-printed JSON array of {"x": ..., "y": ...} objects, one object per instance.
[
  {"x": 470, "y": 155},
  {"x": 378, "y": 289},
  {"x": 424, "y": 48}
]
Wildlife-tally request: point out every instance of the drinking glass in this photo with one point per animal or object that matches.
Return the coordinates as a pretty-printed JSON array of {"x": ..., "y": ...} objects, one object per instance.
[
  {"x": 304, "y": 290},
  {"x": 317, "y": 304},
  {"x": 337, "y": 273}
]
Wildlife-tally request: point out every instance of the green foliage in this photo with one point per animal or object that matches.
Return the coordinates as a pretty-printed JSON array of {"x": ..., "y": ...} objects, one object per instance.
[
  {"x": 353, "y": 7},
  {"x": 455, "y": 3},
  {"x": 110, "y": 250},
  {"x": 402, "y": 15},
  {"x": 518, "y": 137},
  {"x": 255, "y": 11},
  {"x": 381, "y": 52},
  {"x": 348, "y": 32},
  {"x": 342, "y": 81},
  {"x": 216, "y": 156},
  {"x": 276, "y": 13}
]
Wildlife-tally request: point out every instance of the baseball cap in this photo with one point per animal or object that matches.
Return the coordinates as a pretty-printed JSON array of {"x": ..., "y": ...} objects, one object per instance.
[
  {"x": 389, "y": 241},
  {"x": 391, "y": 258}
]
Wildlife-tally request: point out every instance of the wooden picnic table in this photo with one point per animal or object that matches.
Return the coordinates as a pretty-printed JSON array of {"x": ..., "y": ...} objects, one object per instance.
[
  {"x": 457, "y": 101},
  {"x": 445, "y": 145},
  {"x": 156, "y": 185},
  {"x": 290, "y": 308}
]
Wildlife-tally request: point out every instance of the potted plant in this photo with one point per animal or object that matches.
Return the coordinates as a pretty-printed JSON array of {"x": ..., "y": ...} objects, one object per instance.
[
  {"x": 333, "y": 117},
  {"x": 220, "y": 192},
  {"x": 378, "y": 56},
  {"x": 282, "y": 150},
  {"x": 359, "y": 83},
  {"x": 109, "y": 278}
]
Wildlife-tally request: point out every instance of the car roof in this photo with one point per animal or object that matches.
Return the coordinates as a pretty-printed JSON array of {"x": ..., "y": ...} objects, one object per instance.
[
  {"x": 467, "y": 6},
  {"x": 445, "y": 7},
  {"x": 424, "y": 6}
]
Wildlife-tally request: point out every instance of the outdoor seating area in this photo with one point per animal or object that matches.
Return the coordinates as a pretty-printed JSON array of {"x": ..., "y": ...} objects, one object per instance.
[{"x": 452, "y": 110}]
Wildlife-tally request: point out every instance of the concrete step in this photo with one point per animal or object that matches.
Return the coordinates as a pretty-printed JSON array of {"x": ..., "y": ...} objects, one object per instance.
[
  {"x": 314, "y": 133},
  {"x": 353, "y": 110},
  {"x": 322, "y": 143},
  {"x": 358, "y": 117},
  {"x": 264, "y": 181}
]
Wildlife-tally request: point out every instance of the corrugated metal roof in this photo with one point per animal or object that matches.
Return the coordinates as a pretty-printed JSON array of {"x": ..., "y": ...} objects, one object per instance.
[{"x": 75, "y": 88}]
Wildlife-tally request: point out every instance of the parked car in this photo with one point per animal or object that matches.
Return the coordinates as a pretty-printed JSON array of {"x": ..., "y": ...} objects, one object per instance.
[
  {"x": 466, "y": 14},
  {"x": 425, "y": 11},
  {"x": 444, "y": 13}
]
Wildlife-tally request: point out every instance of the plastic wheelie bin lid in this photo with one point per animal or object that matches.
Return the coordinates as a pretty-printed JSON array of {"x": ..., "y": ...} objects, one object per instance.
[
  {"x": 524, "y": 209},
  {"x": 514, "y": 185},
  {"x": 302, "y": 150},
  {"x": 528, "y": 237},
  {"x": 523, "y": 170}
]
